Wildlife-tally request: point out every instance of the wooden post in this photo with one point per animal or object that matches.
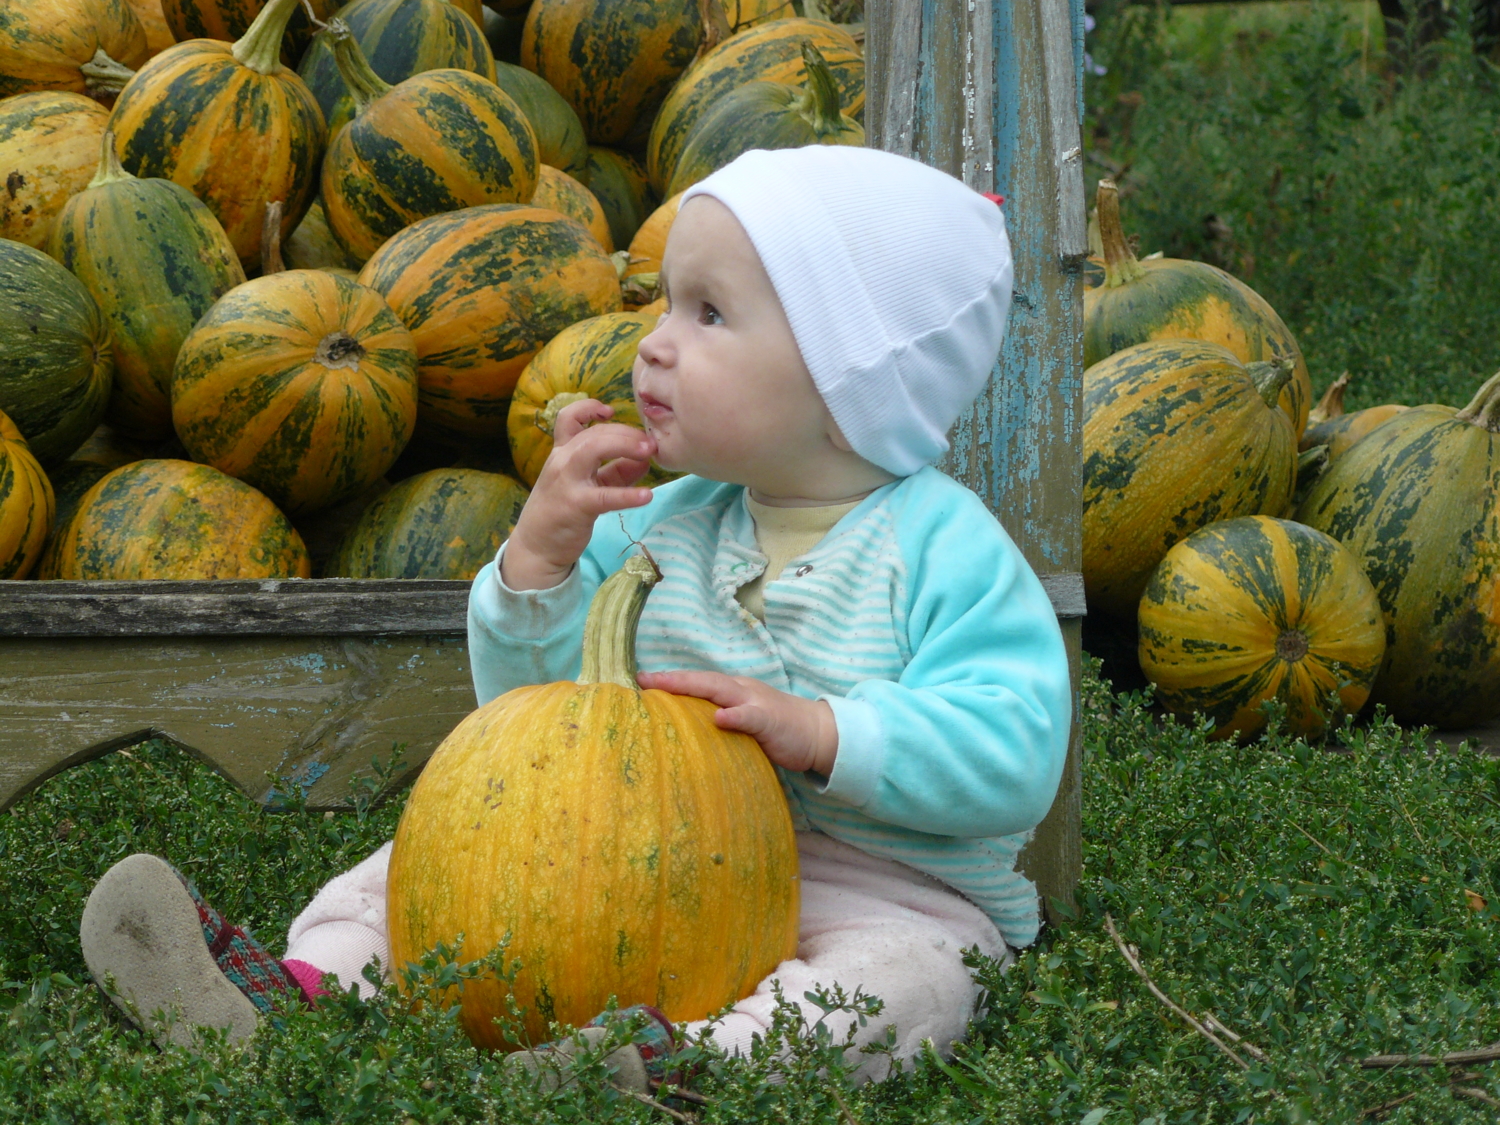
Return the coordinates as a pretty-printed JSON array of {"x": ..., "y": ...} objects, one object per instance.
[{"x": 988, "y": 90}]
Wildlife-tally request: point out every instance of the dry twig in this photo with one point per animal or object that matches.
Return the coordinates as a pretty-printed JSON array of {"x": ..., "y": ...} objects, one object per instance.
[
  {"x": 1474, "y": 1093},
  {"x": 1213, "y": 1023},
  {"x": 1132, "y": 958},
  {"x": 647, "y": 1099},
  {"x": 1386, "y": 1107},
  {"x": 1456, "y": 1058},
  {"x": 844, "y": 1110}
]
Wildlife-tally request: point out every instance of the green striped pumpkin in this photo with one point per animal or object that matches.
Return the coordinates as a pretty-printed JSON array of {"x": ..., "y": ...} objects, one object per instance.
[
  {"x": 1176, "y": 435},
  {"x": 559, "y": 134},
  {"x": 229, "y": 123},
  {"x": 1163, "y": 298},
  {"x": 300, "y": 383},
  {"x": 70, "y": 481},
  {"x": 618, "y": 181},
  {"x": 1256, "y": 609},
  {"x": 446, "y": 523},
  {"x": 27, "y": 506},
  {"x": 769, "y": 52},
  {"x": 437, "y": 142},
  {"x": 399, "y": 38},
  {"x": 482, "y": 290},
  {"x": 768, "y": 115},
  {"x": 228, "y": 20},
  {"x": 56, "y": 366},
  {"x": 156, "y": 260},
  {"x": 613, "y": 61},
  {"x": 176, "y": 520},
  {"x": 1418, "y": 502}
]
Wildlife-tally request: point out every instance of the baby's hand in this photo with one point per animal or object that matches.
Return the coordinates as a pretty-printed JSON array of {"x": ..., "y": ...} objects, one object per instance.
[
  {"x": 796, "y": 733},
  {"x": 592, "y": 469}
]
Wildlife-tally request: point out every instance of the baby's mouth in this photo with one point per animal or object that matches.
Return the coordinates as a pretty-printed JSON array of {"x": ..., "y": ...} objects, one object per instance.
[{"x": 652, "y": 408}]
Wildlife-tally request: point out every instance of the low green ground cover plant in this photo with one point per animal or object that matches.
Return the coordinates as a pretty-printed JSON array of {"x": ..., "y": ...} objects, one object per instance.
[{"x": 1324, "y": 902}]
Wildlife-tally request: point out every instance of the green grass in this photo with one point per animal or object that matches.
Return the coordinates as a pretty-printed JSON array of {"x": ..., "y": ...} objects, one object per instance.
[
  {"x": 1271, "y": 140},
  {"x": 1311, "y": 897}
]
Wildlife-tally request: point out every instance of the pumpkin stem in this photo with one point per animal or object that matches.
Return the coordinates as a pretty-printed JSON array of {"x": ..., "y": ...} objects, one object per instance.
[
  {"x": 1120, "y": 263},
  {"x": 364, "y": 84},
  {"x": 260, "y": 47},
  {"x": 1269, "y": 377},
  {"x": 609, "y": 629},
  {"x": 270, "y": 240},
  {"x": 102, "y": 76},
  {"x": 820, "y": 101},
  {"x": 1331, "y": 405},
  {"x": 546, "y": 419},
  {"x": 714, "y": 26},
  {"x": 1484, "y": 410},
  {"x": 110, "y": 169}
]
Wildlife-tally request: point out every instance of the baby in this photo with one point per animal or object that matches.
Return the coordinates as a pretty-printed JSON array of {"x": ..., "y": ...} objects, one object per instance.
[{"x": 831, "y": 312}]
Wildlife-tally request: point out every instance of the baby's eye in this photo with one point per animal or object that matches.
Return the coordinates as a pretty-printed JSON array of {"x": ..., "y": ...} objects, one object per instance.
[{"x": 710, "y": 315}]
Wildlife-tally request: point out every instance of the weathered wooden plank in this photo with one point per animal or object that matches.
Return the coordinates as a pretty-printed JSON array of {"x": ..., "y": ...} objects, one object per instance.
[
  {"x": 317, "y": 709},
  {"x": 325, "y": 607},
  {"x": 940, "y": 74}
]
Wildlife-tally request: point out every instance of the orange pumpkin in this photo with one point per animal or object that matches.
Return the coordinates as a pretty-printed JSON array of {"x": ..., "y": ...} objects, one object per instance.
[
  {"x": 630, "y": 848},
  {"x": 86, "y": 46},
  {"x": 49, "y": 150},
  {"x": 27, "y": 505}
]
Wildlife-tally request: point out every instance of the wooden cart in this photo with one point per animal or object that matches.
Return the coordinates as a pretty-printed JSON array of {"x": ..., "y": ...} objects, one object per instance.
[{"x": 310, "y": 680}]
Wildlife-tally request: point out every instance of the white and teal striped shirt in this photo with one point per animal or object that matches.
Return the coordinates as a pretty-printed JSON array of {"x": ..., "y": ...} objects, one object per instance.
[{"x": 916, "y": 618}]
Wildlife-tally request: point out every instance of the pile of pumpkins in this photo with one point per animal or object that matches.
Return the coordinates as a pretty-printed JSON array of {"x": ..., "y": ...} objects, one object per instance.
[
  {"x": 291, "y": 289},
  {"x": 1269, "y": 551}
]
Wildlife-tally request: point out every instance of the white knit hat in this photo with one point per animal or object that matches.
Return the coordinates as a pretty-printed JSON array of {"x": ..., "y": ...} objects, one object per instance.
[{"x": 896, "y": 280}]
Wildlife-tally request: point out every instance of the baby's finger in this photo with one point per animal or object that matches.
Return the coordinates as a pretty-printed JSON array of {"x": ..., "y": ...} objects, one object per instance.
[
  {"x": 622, "y": 472},
  {"x": 576, "y": 417},
  {"x": 579, "y": 461},
  {"x": 712, "y": 686}
]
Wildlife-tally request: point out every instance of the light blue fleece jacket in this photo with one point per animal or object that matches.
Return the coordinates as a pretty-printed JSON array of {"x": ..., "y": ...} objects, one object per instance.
[{"x": 916, "y": 618}]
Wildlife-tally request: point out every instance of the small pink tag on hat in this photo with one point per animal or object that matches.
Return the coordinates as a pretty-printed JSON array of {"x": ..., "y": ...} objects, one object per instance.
[{"x": 997, "y": 200}]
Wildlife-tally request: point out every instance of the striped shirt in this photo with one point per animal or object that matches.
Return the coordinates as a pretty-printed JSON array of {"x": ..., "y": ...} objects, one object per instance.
[{"x": 916, "y": 618}]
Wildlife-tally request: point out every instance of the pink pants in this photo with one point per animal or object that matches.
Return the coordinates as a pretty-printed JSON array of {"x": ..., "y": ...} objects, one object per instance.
[{"x": 866, "y": 923}]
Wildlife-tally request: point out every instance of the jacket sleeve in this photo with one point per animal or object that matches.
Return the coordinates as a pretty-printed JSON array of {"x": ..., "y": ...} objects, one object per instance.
[
  {"x": 972, "y": 738},
  {"x": 535, "y": 636}
]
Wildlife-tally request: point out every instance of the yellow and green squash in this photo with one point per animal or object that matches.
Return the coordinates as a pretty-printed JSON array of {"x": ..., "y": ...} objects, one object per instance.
[
  {"x": 300, "y": 383},
  {"x": 27, "y": 506},
  {"x": 1417, "y": 501},
  {"x": 1255, "y": 609},
  {"x": 482, "y": 290},
  {"x": 1161, "y": 298},
  {"x": 440, "y": 141},
  {"x": 56, "y": 365},
  {"x": 1176, "y": 435},
  {"x": 446, "y": 523},
  {"x": 84, "y": 46},
  {"x": 178, "y": 520},
  {"x": 156, "y": 260},
  {"x": 49, "y": 150},
  {"x": 768, "y": 115},
  {"x": 232, "y": 125}
]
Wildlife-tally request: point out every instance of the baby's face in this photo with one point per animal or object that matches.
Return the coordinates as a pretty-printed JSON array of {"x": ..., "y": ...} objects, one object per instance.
[{"x": 720, "y": 382}]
